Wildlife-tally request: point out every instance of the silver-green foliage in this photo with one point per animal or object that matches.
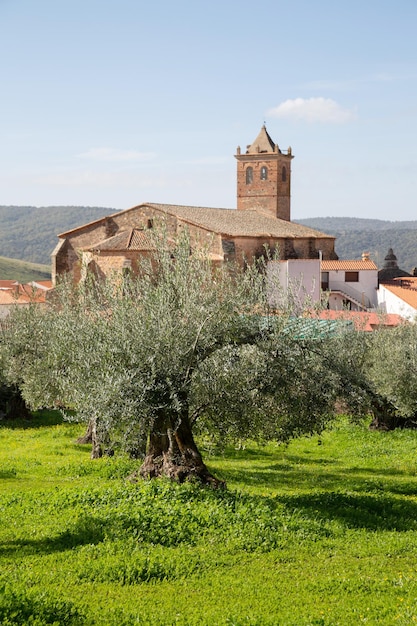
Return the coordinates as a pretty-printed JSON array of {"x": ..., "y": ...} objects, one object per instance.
[
  {"x": 184, "y": 339},
  {"x": 393, "y": 370}
]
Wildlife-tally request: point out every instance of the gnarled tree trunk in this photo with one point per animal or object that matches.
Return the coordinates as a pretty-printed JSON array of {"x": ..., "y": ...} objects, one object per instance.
[
  {"x": 90, "y": 436},
  {"x": 384, "y": 415},
  {"x": 172, "y": 452}
]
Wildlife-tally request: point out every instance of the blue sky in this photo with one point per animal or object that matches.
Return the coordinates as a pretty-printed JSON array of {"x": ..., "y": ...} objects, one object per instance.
[{"x": 116, "y": 102}]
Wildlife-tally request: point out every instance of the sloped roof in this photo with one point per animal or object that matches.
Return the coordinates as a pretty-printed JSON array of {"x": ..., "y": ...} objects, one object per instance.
[
  {"x": 262, "y": 143},
  {"x": 407, "y": 294},
  {"x": 24, "y": 294},
  {"x": 329, "y": 266},
  {"x": 132, "y": 239},
  {"x": 313, "y": 328},
  {"x": 363, "y": 320},
  {"x": 234, "y": 223},
  {"x": 228, "y": 222},
  {"x": 41, "y": 284},
  {"x": 8, "y": 284}
]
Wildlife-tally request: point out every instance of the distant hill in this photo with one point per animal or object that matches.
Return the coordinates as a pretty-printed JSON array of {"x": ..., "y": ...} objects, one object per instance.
[
  {"x": 23, "y": 272},
  {"x": 356, "y": 235},
  {"x": 30, "y": 233}
]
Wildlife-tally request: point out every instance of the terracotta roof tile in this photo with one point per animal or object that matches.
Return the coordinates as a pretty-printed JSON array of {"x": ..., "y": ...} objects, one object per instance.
[
  {"x": 364, "y": 320},
  {"x": 9, "y": 296},
  {"x": 328, "y": 266},
  {"x": 229, "y": 222},
  {"x": 8, "y": 284},
  {"x": 234, "y": 223},
  {"x": 132, "y": 239},
  {"x": 408, "y": 295}
]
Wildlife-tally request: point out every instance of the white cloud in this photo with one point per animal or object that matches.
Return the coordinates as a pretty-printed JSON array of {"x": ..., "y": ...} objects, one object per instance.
[
  {"x": 313, "y": 110},
  {"x": 115, "y": 155}
]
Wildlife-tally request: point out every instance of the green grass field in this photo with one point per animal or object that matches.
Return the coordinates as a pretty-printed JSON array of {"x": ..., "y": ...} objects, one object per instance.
[{"x": 320, "y": 532}]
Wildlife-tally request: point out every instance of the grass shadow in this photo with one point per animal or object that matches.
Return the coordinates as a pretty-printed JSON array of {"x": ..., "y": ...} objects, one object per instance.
[
  {"x": 371, "y": 512},
  {"x": 88, "y": 530},
  {"x": 38, "y": 419},
  {"x": 284, "y": 476}
]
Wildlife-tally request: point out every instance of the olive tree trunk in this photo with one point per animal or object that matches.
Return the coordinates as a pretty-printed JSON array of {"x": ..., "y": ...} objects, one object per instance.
[{"x": 172, "y": 452}]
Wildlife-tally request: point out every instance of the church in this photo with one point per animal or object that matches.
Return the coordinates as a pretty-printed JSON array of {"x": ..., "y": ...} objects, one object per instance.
[{"x": 262, "y": 218}]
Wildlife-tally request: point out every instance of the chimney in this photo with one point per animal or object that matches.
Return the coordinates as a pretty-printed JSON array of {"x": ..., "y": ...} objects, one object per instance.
[{"x": 366, "y": 256}]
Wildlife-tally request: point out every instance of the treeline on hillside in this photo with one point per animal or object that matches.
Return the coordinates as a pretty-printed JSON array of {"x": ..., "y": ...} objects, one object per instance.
[
  {"x": 356, "y": 235},
  {"x": 30, "y": 233}
]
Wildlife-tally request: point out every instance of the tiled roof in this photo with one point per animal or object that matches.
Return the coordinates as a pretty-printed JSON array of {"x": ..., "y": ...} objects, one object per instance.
[
  {"x": 22, "y": 294},
  {"x": 363, "y": 320},
  {"x": 229, "y": 222},
  {"x": 408, "y": 295},
  {"x": 132, "y": 239},
  {"x": 234, "y": 223},
  {"x": 41, "y": 284},
  {"x": 8, "y": 284},
  {"x": 328, "y": 266}
]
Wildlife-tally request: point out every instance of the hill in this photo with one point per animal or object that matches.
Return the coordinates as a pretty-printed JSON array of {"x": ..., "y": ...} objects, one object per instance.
[
  {"x": 13, "y": 269},
  {"x": 357, "y": 235},
  {"x": 30, "y": 233}
]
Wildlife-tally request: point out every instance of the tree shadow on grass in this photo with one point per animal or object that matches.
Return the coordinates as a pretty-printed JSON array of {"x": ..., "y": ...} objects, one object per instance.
[
  {"x": 88, "y": 530},
  {"x": 379, "y": 512},
  {"x": 316, "y": 474},
  {"x": 38, "y": 419}
]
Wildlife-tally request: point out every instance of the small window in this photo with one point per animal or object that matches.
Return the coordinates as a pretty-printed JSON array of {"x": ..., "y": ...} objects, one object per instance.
[
  {"x": 284, "y": 174},
  {"x": 150, "y": 223},
  {"x": 351, "y": 277},
  {"x": 264, "y": 173},
  {"x": 229, "y": 249},
  {"x": 249, "y": 175}
]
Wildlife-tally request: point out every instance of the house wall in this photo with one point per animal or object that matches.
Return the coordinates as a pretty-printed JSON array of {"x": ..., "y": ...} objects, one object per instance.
[
  {"x": 295, "y": 282},
  {"x": 366, "y": 286},
  {"x": 388, "y": 302},
  {"x": 202, "y": 238},
  {"x": 310, "y": 248},
  {"x": 108, "y": 262}
]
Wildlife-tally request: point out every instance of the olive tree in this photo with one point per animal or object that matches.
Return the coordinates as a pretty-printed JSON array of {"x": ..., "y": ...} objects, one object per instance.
[
  {"x": 393, "y": 374},
  {"x": 184, "y": 347}
]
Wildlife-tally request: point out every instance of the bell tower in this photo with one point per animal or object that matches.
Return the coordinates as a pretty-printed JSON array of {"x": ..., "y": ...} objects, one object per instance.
[{"x": 264, "y": 178}]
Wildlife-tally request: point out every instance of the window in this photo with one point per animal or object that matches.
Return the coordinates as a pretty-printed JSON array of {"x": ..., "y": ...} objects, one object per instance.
[
  {"x": 264, "y": 173},
  {"x": 249, "y": 175},
  {"x": 284, "y": 174},
  {"x": 150, "y": 223},
  {"x": 351, "y": 277},
  {"x": 229, "y": 249}
]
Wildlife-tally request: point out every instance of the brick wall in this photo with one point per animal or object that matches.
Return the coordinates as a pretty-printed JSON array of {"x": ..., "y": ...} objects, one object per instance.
[{"x": 271, "y": 195}]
